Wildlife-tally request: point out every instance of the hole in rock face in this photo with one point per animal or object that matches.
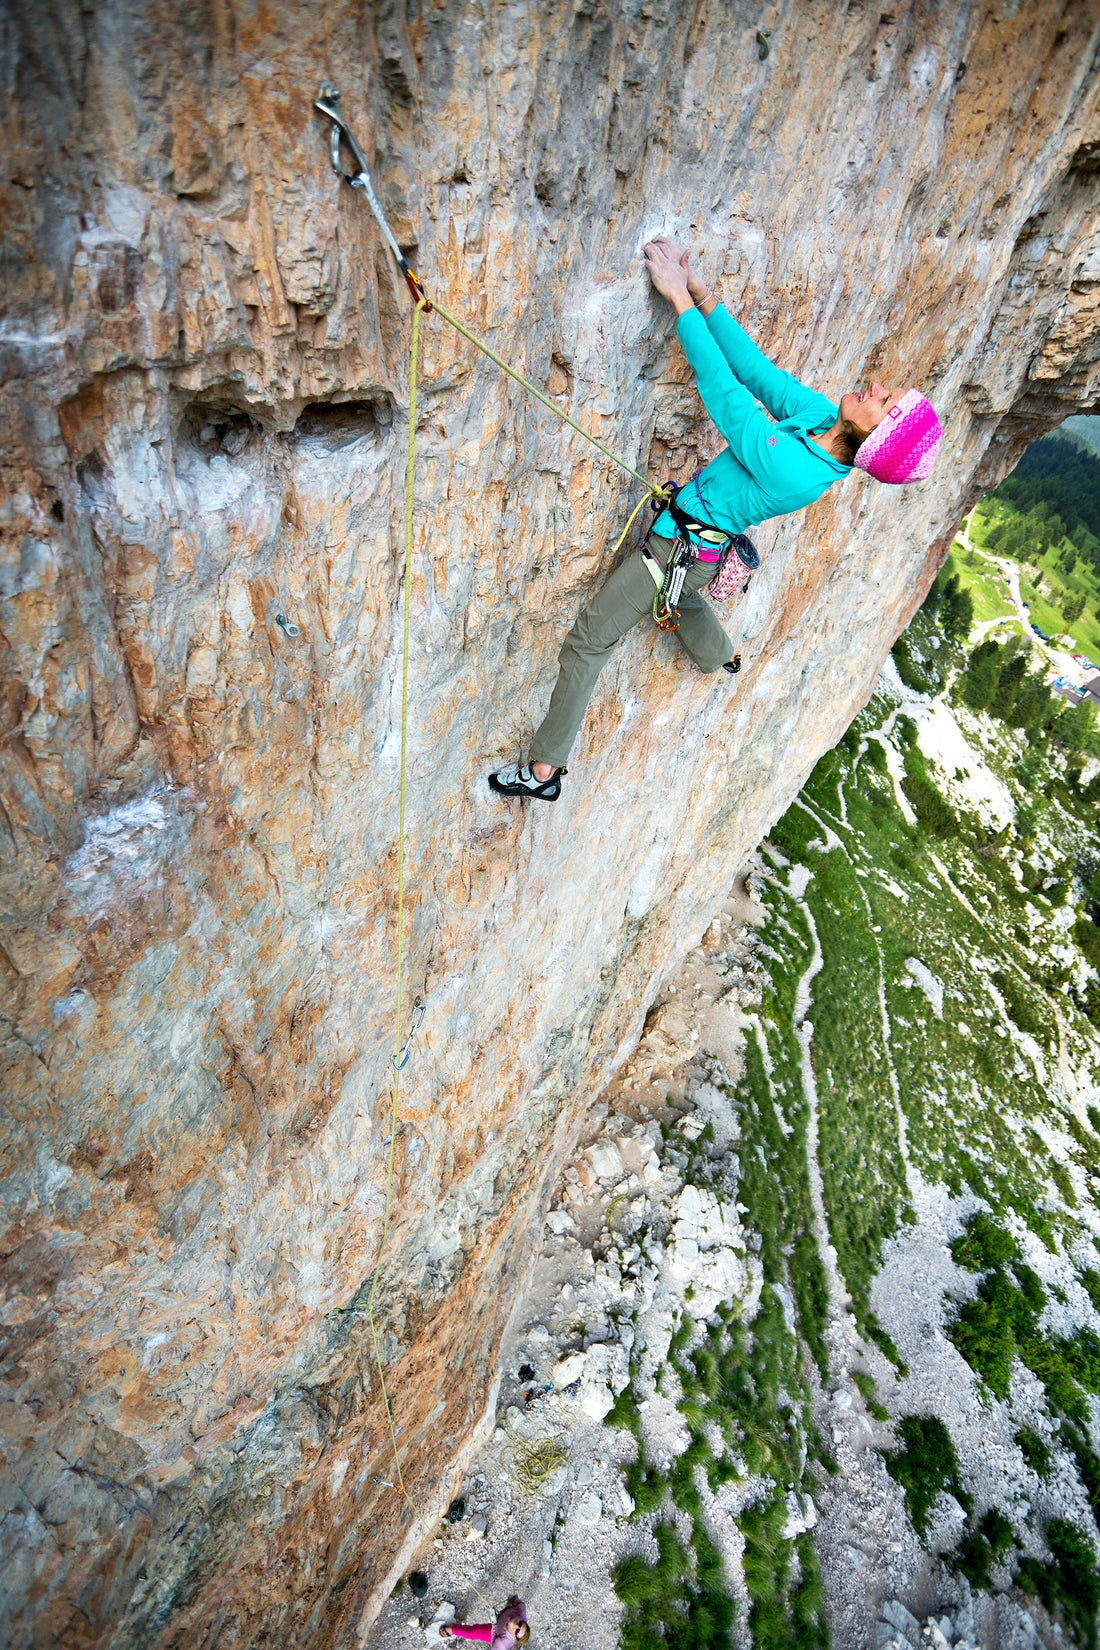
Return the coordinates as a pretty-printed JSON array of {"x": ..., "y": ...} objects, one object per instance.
[
  {"x": 91, "y": 473},
  {"x": 339, "y": 423},
  {"x": 1086, "y": 159},
  {"x": 57, "y": 510},
  {"x": 215, "y": 427}
]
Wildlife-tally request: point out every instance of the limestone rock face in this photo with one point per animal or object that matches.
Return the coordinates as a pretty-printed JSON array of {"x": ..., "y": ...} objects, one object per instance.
[{"x": 204, "y": 383}]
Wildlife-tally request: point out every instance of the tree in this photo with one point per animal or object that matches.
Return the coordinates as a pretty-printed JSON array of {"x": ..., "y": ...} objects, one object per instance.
[
  {"x": 1073, "y": 605},
  {"x": 980, "y": 680},
  {"x": 1008, "y": 686},
  {"x": 956, "y": 610},
  {"x": 1031, "y": 701},
  {"x": 1077, "y": 729}
]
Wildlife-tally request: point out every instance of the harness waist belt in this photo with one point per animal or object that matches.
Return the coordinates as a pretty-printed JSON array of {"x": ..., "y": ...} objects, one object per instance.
[{"x": 706, "y": 541}]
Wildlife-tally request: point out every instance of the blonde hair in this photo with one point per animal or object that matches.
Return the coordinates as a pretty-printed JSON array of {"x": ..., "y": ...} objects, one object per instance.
[{"x": 522, "y": 1633}]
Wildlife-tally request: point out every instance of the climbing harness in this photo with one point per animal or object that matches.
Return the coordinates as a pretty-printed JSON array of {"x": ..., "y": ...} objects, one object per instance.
[{"x": 729, "y": 550}]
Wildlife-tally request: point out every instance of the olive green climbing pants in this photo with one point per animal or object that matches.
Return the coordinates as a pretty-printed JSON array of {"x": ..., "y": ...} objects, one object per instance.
[{"x": 625, "y": 599}]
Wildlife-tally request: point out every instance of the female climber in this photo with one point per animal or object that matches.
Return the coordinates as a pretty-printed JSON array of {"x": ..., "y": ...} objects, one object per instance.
[
  {"x": 509, "y": 1629},
  {"x": 767, "y": 469}
]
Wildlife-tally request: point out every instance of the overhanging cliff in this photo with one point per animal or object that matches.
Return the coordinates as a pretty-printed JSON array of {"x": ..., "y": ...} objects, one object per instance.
[{"x": 204, "y": 374}]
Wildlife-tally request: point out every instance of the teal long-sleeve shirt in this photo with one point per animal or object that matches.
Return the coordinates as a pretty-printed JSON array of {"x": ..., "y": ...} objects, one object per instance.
[{"x": 768, "y": 469}]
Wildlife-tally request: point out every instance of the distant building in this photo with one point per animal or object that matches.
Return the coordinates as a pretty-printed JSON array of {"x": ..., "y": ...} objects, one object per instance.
[
  {"x": 1068, "y": 691},
  {"x": 1093, "y": 689}
]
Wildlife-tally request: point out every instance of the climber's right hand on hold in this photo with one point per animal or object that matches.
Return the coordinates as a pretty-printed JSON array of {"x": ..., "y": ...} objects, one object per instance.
[
  {"x": 666, "y": 266},
  {"x": 696, "y": 284}
]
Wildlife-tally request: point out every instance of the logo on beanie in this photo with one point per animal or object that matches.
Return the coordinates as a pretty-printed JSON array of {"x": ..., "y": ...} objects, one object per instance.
[{"x": 903, "y": 446}]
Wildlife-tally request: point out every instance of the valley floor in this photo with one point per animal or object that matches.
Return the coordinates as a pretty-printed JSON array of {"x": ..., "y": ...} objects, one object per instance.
[{"x": 811, "y": 1351}]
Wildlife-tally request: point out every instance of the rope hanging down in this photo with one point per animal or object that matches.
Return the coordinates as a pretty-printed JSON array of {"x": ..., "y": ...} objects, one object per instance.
[
  {"x": 535, "y": 1463},
  {"x": 400, "y": 1057}
]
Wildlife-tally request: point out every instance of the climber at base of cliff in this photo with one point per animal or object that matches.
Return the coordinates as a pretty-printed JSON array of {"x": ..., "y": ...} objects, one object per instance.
[
  {"x": 509, "y": 1629},
  {"x": 767, "y": 469}
]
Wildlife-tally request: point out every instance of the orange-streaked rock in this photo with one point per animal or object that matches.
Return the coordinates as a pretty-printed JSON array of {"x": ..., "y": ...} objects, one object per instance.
[{"x": 204, "y": 357}]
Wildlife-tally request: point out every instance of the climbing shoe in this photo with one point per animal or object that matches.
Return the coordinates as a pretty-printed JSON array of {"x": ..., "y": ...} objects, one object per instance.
[
  {"x": 733, "y": 665},
  {"x": 519, "y": 780}
]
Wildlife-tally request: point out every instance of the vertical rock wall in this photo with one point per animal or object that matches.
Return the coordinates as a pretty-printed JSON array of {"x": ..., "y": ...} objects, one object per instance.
[{"x": 203, "y": 364}]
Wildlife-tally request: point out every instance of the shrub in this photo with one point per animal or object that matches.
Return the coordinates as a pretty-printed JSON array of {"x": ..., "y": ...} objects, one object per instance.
[
  {"x": 977, "y": 1552},
  {"x": 982, "y": 1244},
  {"x": 935, "y": 815},
  {"x": 983, "y": 1331},
  {"x": 1034, "y": 1451},
  {"x": 1089, "y": 1280},
  {"x": 925, "y": 1465},
  {"x": 1077, "y": 1442},
  {"x": 1087, "y": 935},
  {"x": 1069, "y": 1585},
  {"x": 1019, "y": 1000},
  {"x": 999, "y": 1325},
  {"x": 916, "y": 674}
]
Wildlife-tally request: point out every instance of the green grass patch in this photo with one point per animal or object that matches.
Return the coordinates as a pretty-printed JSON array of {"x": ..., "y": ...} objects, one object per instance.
[
  {"x": 1034, "y": 1451},
  {"x": 983, "y": 1244},
  {"x": 684, "y": 1587},
  {"x": 1069, "y": 1584},
  {"x": 982, "y": 1548},
  {"x": 925, "y": 1465},
  {"x": 865, "y": 1385},
  {"x": 983, "y": 581}
]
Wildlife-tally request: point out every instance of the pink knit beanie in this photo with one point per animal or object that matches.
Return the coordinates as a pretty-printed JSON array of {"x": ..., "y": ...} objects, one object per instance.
[{"x": 903, "y": 447}]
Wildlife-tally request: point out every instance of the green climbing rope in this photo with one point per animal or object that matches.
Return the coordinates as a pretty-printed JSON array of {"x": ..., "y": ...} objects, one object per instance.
[
  {"x": 533, "y": 389},
  {"x": 534, "y": 1461},
  {"x": 398, "y": 1055}
]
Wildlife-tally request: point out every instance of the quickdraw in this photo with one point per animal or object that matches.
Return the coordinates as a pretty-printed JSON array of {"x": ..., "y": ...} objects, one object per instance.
[
  {"x": 328, "y": 102},
  {"x": 416, "y": 1019}
]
